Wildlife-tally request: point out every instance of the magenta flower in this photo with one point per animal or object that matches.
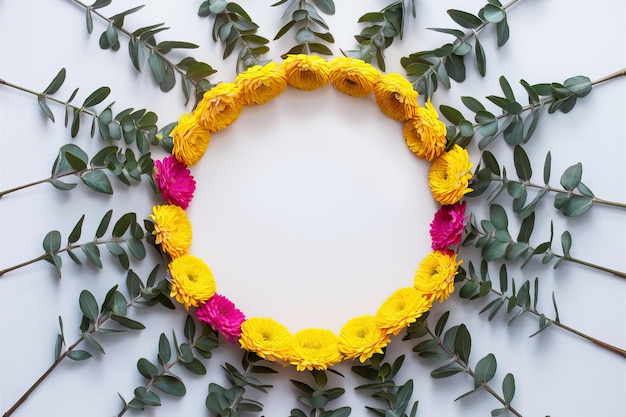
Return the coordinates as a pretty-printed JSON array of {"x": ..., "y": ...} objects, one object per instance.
[
  {"x": 174, "y": 181},
  {"x": 222, "y": 315},
  {"x": 447, "y": 226}
]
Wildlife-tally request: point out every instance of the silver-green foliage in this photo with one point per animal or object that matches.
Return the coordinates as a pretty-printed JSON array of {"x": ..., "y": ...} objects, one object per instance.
[{"x": 312, "y": 28}]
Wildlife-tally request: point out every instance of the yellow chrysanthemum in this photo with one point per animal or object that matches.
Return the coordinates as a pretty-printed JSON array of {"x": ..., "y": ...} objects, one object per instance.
[
  {"x": 314, "y": 349},
  {"x": 172, "y": 229},
  {"x": 190, "y": 138},
  {"x": 396, "y": 97},
  {"x": 435, "y": 275},
  {"x": 260, "y": 84},
  {"x": 220, "y": 106},
  {"x": 425, "y": 133},
  {"x": 361, "y": 337},
  {"x": 306, "y": 72},
  {"x": 266, "y": 337},
  {"x": 449, "y": 176},
  {"x": 192, "y": 281},
  {"x": 402, "y": 308},
  {"x": 353, "y": 76}
]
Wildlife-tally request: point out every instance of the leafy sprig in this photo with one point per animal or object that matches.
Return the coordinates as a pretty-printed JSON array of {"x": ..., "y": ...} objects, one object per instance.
[
  {"x": 234, "y": 27},
  {"x": 427, "y": 69},
  {"x": 478, "y": 284},
  {"x": 159, "y": 374},
  {"x": 317, "y": 397},
  {"x": 312, "y": 28},
  {"x": 115, "y": 308},
  {"x": 229, "y": 402},
  {"x": 454, "y": 347},
  {"x": 142, "y": 43},
  {"x": 382, "y": 28},
  {"x": 384, "y": 388}
]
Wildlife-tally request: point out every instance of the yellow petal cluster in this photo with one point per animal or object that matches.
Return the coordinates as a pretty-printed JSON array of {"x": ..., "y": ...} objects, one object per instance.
[
  {"x": 402, "y": 308},
  {"x": 267, "y": 338},
  {"x": 425, "y": 134},
  {"x": 220, "y": 106},
  {"x": 353, "y": 76},
  {"x": 396, "y": 97},
  {"x": 449, "y": 176},
  {"x": 306, "y": 72},
  {"x": 190, "y": 138},
  {"x": 435, "y": 275},
  {"x": 259, "y": 84},
  {"x": 314, "y": 348},
  {"x": 191, "y": 281},
  {"x": 172, "y": 229},
  {"x": 361, "y": 338}
]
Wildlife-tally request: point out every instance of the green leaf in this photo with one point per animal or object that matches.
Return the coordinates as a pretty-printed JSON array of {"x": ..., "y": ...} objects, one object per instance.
[
  {"x": 326, "y": 6},
  {"x": 522, "y": 163},
  {"x": 446, "y": 371},
  {"x": 76, "y": 231},
  {"x": 62, "y": 165},
  {"x": 93, "y": 253},
  {"x": 79, "y": 355},
  {"x": 217, "y": 6},
  {"x": 93, "y": 342},
  {"x": 441, "y": 323},
  {"x": 60, "y": 185},
  {"x": 572, "y": 176},
  {"x": 577, "y": 205},
  {"x": 122, "y": 225},
  {"x": 498, "y": 217},
  {"x": 88, "y": 305},
  {"x": 485, "y": 370},
  {"x": 97, "y": 181},
  {"x": 502, "y": 32},
  {"x": 481, "y": 60},
  {"x": 493, "y": 14},
  {"x": 157, "y": 66},
  {"x": 465, "y": 19},
  {"x": 56, "y": 83},
  {"x": 508, "y": 388},
  {"x": 128, "y": 323},
  {"x": 147, "y": 397},
  {"x": 463, "y": 343},
  {"x": 52, "y": 242},
  {"x": 339, "y": 412},
  {"x": 146, "y": 368},
  {"x": 453, "y": 115},
  {"x": 579, "y": 85},
  {"x": 566, "y": 242},
  {"x": 170, "y": 385},
  {"x": 165, "y": 352},
  {"x": 46, "y": 109},
  {"x": 97, "y": 97}
]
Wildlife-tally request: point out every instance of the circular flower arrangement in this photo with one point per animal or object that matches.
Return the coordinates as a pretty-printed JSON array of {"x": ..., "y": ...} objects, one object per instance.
[{"x": 192, "y": 282}]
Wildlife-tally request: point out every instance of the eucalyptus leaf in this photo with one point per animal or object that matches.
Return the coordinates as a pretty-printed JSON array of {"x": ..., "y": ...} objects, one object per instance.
[
  {"x": 88, "y": 305},
  {"x": 97, "y": 181}
]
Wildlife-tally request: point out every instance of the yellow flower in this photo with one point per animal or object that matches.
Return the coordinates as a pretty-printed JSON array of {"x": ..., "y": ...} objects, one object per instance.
[
  {"x": 361, "y": 337},
  {"x": 190, "y": 139},
  {"x": 449, "y": 176},
  {"x": 220, "y": 106},
  {"x": 353, "y": 76},
  {"x": 425, "y": 133},
  {"x": 306, "y": 72},
  {"x": 435, "y": 275},
  {"x": 266, "y": 337},
  {"x": 192, "y": 281},
  {"x": 260, "y": 84},
  {"x": 402, "y": 308},
  {"x": 396, "y": 97},
  {"x": 314, "y": 349},
  {"x": 172, "y": 229}
]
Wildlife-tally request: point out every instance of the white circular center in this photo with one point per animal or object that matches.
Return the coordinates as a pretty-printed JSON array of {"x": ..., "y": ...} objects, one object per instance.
[{"x": 311, "y": 209}]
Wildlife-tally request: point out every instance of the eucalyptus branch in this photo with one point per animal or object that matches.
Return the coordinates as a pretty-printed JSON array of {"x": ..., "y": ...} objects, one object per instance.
[
  {"x": 159, "y": 375},
  {"x": 115, "y": 308},
  {"x": 476, "y": 287},
  {"x": 316, "y": 397},
  {"x": 126, "y": 231},
  {"x": 305, "y": 15},
  {"x": 454, "y": 346}
]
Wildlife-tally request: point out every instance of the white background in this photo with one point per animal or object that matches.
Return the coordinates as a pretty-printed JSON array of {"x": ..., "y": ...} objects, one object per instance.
[{"x": 311, "y": 210}]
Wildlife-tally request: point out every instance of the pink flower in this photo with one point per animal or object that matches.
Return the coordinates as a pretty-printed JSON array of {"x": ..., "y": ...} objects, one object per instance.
[
  {"x": 447, "y": 226},
  {"x": 223, "y": 316},
  {"x": 175, "y": 181}
]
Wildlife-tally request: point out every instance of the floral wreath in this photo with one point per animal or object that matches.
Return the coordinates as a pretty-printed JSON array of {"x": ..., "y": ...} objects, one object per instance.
[{"x": 191, "y": 281}]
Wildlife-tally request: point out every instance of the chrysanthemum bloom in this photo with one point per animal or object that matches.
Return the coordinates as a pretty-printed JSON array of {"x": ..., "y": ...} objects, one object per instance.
[
  {"x": 402, "y": 308},
  {"x": 174, "y": 181},
  {"x": 266, "y": 337},
  {"x": 425, "y": 134},
  {"x": 361, "y": 337},
  {"x": 396, "y": 97},
  {"x": 190, "y": 139},
  {"x": 449, "y": 176},
  {"x": 353, "y": 76},
  {"x": 435, "y": 275},
  {"x": 222, "y": 315},
  {"x": 220, "y": 106},
  {"x": 447, "y": 226},
  {"x": 260, "y": 84},
  {"x": 314, "y": 349},
  {"x": 306, "y": 72},
  {"x": 192, "y": 281},
  {"x": 172, "y": 229}
]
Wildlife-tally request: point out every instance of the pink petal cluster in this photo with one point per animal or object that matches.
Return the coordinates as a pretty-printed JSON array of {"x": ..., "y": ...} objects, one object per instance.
[
  {"x": 222, "y": 315},
  {"x": 174, "y": 181},
  {"x": 447, "y": 226}
]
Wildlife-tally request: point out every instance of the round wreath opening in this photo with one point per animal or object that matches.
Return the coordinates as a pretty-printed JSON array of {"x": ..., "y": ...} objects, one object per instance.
[{"x": 191, "y": 280}]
